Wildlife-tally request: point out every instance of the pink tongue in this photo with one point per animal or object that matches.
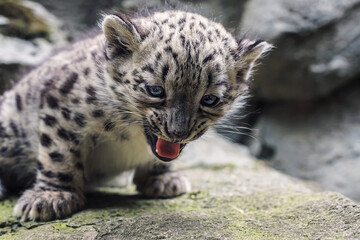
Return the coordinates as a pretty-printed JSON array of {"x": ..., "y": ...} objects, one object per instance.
[{"x": 167, "y": 149}]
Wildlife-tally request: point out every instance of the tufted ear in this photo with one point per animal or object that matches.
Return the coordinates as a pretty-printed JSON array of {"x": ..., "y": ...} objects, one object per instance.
[
  {"x": 248, "y": 52},
  {"x": 122, "y": 35}
]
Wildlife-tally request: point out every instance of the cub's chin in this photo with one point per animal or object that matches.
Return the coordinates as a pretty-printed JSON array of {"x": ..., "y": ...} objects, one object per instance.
[{"x": 162, "y": 149}]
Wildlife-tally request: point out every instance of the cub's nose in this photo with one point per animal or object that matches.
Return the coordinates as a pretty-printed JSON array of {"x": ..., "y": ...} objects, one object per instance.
[{"x": 177, "y": 134}]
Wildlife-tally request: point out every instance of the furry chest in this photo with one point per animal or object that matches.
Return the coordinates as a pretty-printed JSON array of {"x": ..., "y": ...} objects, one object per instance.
[{"x": 111, "y": 156}]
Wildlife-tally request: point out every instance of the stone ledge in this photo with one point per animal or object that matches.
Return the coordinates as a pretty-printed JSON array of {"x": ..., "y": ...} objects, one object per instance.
[{"x": 231, "y": 200}]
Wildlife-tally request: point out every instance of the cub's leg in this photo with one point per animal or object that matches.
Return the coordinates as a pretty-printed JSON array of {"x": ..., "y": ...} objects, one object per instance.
[
  {"x": 58, "y": 189},
  {"x": 158, "y": 180},
  {"x": 17, "y": 158}
]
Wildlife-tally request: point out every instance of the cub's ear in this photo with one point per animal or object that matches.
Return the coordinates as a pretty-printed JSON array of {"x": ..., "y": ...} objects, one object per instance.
[
  {"x": 122, "y": 35},
  {"x": 248, "y": 52}
]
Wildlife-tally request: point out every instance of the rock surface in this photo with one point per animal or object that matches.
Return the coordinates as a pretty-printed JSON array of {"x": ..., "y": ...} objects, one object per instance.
[
  {"x": 29, "y": 34},
  {"x": 82, "y": 15},
  {"x": 318, "y": 140},
  {"x": 318, "y": 46},
  {"x": 234, "y": 198}
]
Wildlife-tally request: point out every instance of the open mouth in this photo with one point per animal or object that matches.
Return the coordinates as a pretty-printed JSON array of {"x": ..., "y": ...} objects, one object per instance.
[{"x": 162, "y": 149}]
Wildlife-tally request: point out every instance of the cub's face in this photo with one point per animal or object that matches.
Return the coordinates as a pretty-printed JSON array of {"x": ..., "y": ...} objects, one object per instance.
[{"x": 178, "y": 72}]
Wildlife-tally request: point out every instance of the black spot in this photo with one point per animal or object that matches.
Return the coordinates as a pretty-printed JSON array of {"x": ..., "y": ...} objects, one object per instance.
[
  {"x": 68, "y": 84},
  {"x": 63, "y": 177},
  {"x": 50, "y": 120},
  {"x": 202, "y": 25},
  {"x": 15, "y": 129},
  {"x": 52, "y": 102},
  {"x": 109, "y": 125},
  {"x": 67, "y": 135},
  {"x": 182, "y": 37},
  {"x": 208, "y": 58},
  {"x": 158, "y": 56},
  {"x": 135, "y": 72},
  {"x": 80, "y": 120},
  {"x": 117, "y": 79},
  {"x": 165, "y": 71},
  {"x": 3, "y": 131},
  {"x": 66, "y": 113},
  {"x": 148, "y": 68},
  {"x": 86, "y": 71},
  {"x": 18, "y": 102},
  {"x": 175, "y": 55},
  {"x": 98, "y": 113},
  {"x": 15, "y": 151},
  {"x": 240, "y": 75},
  {"x": 217, "y": 33},
  {"x": 139, "y": 80},
  {"x": 39, "y": 165},
  {"x": 192, "y": 25},
  {"x": 170, "y": 37},
  {"x": 181, "y": 21},
  {"x": 49, "y": 174},
  {"x": 217, "y": 67},
  {"x": 168, "y": 49},
  {"x": 91, "y": 94},
  {"x": 75, "y": 101},
  {"x": 75, "y": 152},
  {"x": 172, "y": 26},
  {"x": 56, "y": 156},
  {"x": 45, "y": 140}
]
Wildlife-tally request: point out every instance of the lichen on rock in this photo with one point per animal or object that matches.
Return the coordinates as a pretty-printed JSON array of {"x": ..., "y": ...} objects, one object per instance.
[{"x": 230, "y": 200}]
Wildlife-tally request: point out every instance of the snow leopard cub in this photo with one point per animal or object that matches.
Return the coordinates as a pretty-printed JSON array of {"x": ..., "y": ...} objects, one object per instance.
[{"x": 131, "y": 97}]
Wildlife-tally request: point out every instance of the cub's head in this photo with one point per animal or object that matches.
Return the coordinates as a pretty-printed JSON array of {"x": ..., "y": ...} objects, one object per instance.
[{"x": 178, "y": 71}]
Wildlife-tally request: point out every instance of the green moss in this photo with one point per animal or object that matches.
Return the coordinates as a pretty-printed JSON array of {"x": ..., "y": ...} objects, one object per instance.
[
  {"x": 23, "y": 23},
  {"x": 265, "y": 215},
  {"x": 209, "y": 213},
  {"x": 6, "y": 210}
]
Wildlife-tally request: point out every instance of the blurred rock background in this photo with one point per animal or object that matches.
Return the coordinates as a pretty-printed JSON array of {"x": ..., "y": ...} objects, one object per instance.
[{"x": 305, "y": 109}]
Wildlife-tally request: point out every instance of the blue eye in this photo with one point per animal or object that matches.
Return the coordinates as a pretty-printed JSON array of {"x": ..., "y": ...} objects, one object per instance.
[
  {"x": 209, "y": 100},
  {"x": 156, "y": 91}
]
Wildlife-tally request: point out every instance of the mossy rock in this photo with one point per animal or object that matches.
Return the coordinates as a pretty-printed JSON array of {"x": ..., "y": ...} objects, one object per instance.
[
  {"x": 226, "y": 203},
  {"x": 23, "y": 23}
]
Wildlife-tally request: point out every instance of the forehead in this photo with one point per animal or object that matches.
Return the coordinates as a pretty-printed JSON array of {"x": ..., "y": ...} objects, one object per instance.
[{"x": 189, "y": 43}]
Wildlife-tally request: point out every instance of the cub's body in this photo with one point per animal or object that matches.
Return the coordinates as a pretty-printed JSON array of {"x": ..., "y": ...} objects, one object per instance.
[{"x": 118, "y": 101}]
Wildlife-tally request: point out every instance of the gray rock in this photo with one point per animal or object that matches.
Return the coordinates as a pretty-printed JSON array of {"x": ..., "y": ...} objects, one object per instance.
[
  {"x": 81, "y": 15},
  {"x": 235, "y": 197},
  {"x": 318, "y": 141},
  {"x": 318, "y": 46},
  {"x": 17, "y": 54}
]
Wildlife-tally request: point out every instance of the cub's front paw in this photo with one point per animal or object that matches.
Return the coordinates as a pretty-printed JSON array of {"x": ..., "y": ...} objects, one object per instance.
[
  {"x": 165, "y": 185},
  {"x": 39, "y": 205}
]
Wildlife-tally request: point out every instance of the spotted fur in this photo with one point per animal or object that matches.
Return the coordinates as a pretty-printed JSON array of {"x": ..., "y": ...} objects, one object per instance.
[{"x": 85, "y": 114}]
